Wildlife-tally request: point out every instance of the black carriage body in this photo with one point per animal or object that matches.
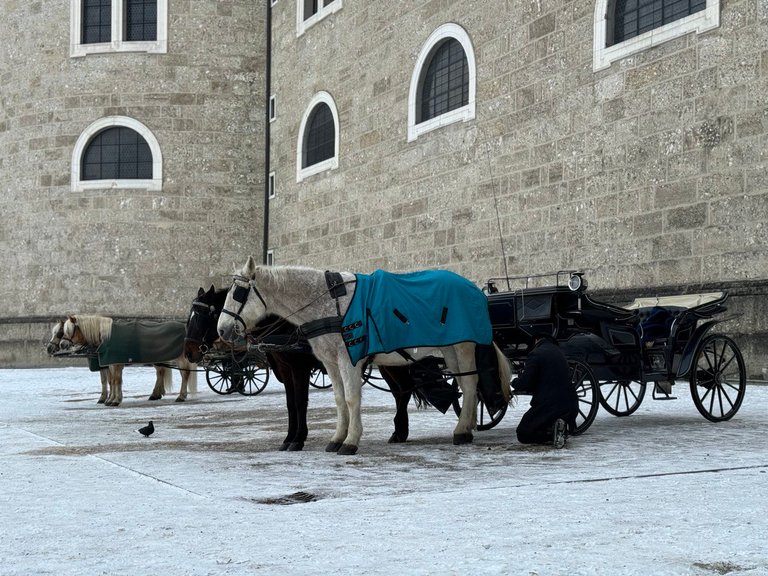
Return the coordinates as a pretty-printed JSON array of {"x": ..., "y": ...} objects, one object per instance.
[
  {"x": 653, "y": 339},
  {"x": 656, "y": 340}
]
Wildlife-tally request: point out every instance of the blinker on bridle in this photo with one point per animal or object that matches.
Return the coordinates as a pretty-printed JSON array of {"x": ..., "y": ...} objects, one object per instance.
[{"x": 240, "y": 295}]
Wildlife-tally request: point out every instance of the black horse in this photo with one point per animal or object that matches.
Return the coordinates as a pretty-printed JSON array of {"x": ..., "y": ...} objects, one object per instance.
[{"x": 292, "y": 367}]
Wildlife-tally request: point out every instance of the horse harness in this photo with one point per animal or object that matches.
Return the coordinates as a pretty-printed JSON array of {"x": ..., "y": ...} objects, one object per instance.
[{"x": 240, "y": 295}]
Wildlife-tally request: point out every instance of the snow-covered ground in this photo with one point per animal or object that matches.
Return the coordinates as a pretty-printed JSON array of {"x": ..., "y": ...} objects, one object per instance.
[{"x": 663, "y": 491}]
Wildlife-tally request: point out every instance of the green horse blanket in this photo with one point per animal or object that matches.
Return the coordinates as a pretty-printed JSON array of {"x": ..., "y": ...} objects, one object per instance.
[{"x": 142, "y": 342}]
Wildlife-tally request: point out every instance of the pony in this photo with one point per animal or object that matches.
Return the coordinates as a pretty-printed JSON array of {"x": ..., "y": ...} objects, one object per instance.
[
  {"x": 292, "y": 366},
  {"x": 310, "y": 299},
  {"x": 94, "y": 331},
  {"x": 57, "y": 333}
]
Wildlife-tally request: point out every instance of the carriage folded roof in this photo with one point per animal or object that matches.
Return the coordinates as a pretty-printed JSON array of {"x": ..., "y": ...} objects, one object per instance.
[{"x": 678, "y": 301}]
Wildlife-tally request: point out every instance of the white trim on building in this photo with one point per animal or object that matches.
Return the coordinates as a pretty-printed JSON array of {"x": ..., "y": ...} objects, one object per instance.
[
  {"x": 155, "y": 183},
  {"x": 603, "y": 55},
  {"x": 117, "y": 44},
  {"x": 463, "y": 114},
  {"x": 329, "y": 164}
]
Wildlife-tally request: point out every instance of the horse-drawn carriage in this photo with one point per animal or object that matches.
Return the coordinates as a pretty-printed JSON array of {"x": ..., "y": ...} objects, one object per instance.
[{"x": 618, "y": 351}]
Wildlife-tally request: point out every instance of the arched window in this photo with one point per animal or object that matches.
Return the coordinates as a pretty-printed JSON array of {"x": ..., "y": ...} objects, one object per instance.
[
  {"x": 116, "y": 152},
  {"x": 318, "y": 146},
  {"x": 320, "y": 137},
  {"x": 626, "y": 27},
  {"x": 446, "y": 82},
  {"x": 443, "y": 83}
]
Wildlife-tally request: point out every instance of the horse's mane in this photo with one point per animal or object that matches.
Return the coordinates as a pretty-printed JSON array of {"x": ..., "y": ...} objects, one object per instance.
[
  {"x": 95, "y": 329},
  {"x": 279, "y": 276}
]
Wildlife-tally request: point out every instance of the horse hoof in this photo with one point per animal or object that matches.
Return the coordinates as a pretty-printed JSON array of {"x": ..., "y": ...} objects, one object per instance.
[
  {"x": 465, "y": 438},
  {"x": 333, "y": 447},
  {"x": 397, "y": 439},
  {"x": 347, "y": 450},
  {"x": 155, "y": 397},
  {"x": 100, "y": 401},
  {"x": 284, "y": 446},
  {"x": 296, "y": 447},
  {"x": 180, "y": 399}
]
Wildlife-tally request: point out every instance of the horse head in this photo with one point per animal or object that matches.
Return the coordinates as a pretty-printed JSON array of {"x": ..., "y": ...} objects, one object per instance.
[
  {"x": 244, "y": 305},
  {"x": 201, "y": 326},
  {"x": 57, "y": 332},
  {"x": 71, "y": 334}
]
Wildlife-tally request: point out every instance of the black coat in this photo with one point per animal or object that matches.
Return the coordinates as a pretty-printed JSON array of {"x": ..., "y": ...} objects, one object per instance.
[{"x": 546, "y": 377}]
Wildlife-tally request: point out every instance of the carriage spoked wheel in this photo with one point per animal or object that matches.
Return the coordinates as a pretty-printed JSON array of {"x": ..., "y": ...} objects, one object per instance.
[
  {"x": 251, "y": 378},
  {"x": 587, "y": 391},
  {"x": 621, "y": 397},
  {"x": 218, "y": 374},
  {"x": 319, "y": 379},
  {"x": 718, "y": 378},
  {"x": 484, "y": 417}
]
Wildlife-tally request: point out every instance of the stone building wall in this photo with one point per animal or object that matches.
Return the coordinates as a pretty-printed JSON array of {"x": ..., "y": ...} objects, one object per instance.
[
  {"x": 126, "y": 252},
  {"x": 650, "y": 174}
]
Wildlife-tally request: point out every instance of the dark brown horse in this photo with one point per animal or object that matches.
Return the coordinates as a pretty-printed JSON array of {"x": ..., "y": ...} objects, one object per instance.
[{"x": 292, "y": 367}]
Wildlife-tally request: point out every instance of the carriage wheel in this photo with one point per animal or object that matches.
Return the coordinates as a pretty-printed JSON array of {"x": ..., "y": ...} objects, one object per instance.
[
  {"x": 319, "y": 379},
  {"x": 254, "y": 379},
  {"x": 376, "y": 381},
  {"x": 718, "y": 378},
  {"x": 485, "y": 418},
  {"x": 587, "y": 392},
  {"x": 623, "y": 397},
  {"x": 219, "y": 377}
]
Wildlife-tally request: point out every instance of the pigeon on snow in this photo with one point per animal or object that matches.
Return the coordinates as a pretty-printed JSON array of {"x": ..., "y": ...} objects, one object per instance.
[{"x": 146, "y": 430}]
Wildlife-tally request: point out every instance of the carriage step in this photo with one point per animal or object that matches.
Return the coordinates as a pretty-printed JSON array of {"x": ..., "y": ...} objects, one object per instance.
[{"x": 660, "y": 393}]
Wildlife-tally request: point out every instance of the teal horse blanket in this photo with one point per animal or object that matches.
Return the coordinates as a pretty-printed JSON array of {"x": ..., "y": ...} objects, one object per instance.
[
  {"x": 142, "y": 342},
  {"x": 431, "y": 308}
]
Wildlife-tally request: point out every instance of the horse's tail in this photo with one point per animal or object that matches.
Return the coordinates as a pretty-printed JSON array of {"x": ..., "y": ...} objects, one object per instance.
[{"x": 505, "y": 373}]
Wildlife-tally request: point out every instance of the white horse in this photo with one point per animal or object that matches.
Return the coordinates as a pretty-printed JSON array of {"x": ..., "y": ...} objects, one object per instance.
[
  {"x": 57, "y": 332},
  {"x": 95, "y": 330},
  {"x": 302, "y": 295}
]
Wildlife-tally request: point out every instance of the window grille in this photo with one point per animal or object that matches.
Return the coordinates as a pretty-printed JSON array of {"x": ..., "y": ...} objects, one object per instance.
[
  {"x": 116, "y": 154},
  {"x": 634, "y": 17},
  {"x": 319, "y": 143},
  {"x": 97, "y": 21},
  {"x": 140, "y": 20},
  {"x": 446, "y": 82}
]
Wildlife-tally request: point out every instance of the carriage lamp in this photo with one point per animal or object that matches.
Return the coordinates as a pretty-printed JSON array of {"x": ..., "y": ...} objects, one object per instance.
[{"x": 577, "y": 282}]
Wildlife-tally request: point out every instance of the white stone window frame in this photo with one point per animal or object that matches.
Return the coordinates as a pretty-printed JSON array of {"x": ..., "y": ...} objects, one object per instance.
[
  {"x": 153, "y": 184},
  {"x": 303, "y": 25},
  {"x": 463, "y": 114},
  {"x": 329, "y": 164},
  {"x": 77, "y": 49},
  {"x": 603, "y": 56}
]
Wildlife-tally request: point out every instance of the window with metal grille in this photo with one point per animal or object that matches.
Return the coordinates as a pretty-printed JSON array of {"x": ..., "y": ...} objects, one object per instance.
[
  {"x": 319, "y": 142},
  {"x": 140, "y": 20},
  {"x": 446, "y": 82},
  {"x": 97, "y": 21},
  {"x": 634, "y": 17},
  {"x": 117, "y": 154}
]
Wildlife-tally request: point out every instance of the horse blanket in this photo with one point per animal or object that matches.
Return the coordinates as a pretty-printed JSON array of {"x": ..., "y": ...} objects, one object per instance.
[
  {"x": 431, "y": 308},
  {"x": 142, "y": 342}
]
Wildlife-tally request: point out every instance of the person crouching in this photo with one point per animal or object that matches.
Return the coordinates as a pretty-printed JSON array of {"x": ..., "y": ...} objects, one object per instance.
[{"x": 554, "y": 403}]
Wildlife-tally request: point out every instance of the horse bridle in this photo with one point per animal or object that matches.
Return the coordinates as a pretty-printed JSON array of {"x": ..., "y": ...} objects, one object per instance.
[
  {"x": 209, "y": 311},
  {"x": 240, "y": 294}
]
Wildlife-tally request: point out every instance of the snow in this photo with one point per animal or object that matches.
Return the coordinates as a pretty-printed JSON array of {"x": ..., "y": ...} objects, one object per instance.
[{"x": 663, "y": 491}]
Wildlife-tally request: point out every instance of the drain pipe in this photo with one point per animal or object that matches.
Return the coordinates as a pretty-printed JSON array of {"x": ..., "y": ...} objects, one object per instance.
[{"x": 267, "y": 117}]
